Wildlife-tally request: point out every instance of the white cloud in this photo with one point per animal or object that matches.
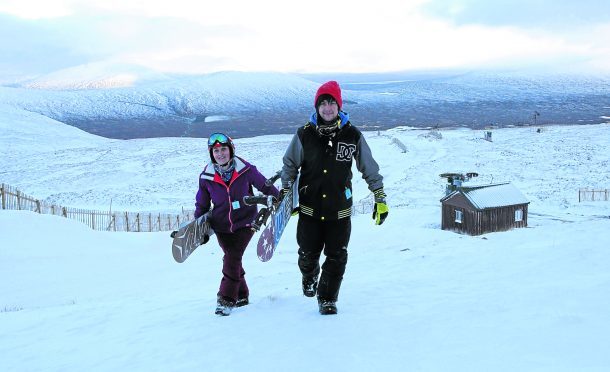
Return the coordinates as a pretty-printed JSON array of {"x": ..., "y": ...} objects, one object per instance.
[
  {"x": 195, "y": 36},
  {"x": 37, "y": 9}
]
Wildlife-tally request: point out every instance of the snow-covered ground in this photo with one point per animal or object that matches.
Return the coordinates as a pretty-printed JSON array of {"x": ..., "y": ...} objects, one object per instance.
[{"x": 414, "y": 298}]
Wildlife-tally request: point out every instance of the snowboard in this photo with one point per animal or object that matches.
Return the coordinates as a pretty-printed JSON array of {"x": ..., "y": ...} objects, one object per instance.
[
  {"x": 279, "y": 215},
  {"x": 190, "y": 236}
]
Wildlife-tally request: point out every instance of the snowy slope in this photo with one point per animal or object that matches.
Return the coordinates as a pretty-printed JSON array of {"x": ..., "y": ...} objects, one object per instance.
[
  {"x": 31, "y": 132},
  {"x": 414, "y": 297},
  {"x": 161, "y": 173}
]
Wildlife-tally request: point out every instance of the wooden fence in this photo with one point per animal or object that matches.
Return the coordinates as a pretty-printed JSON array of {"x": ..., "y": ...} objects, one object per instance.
[
  {"x": 593, "y": 195},
  {"x": 14, "y": 199},
  {"x": 364, "y": 206},
  {"x": 400, "y": 145},
  {"x": 97, "y": 220}
]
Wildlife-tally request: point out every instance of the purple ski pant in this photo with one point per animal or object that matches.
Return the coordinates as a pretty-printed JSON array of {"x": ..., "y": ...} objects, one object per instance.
[{"x": 233, "y": 283}]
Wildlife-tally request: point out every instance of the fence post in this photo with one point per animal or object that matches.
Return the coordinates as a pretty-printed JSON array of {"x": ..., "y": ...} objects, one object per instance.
[{"x": 12, "y": 198}]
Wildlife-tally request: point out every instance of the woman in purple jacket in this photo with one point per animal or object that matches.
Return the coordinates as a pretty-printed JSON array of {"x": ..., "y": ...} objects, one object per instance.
[{"x": 223, "y": 183}]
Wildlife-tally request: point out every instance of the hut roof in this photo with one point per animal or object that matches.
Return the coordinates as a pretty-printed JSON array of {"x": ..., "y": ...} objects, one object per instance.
[{"x": 491, "y": 196}]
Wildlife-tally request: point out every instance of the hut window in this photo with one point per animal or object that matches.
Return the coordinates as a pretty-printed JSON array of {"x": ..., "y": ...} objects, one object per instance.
[
  {"x": 518, "y": 215},
  {"x": 459, "y": 216}
]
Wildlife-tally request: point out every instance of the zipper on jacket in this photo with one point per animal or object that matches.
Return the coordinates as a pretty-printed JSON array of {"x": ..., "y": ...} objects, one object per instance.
[{"x": 228, "y": 188}]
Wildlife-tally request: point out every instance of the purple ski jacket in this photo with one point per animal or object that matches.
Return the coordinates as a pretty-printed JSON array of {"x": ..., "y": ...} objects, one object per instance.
[{"x": 230, "y": 213}]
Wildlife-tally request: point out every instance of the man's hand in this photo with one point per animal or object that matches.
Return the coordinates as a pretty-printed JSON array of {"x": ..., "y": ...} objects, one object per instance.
[
  {"x": 283, "y": 192},
  {"x": 280, "y": 197},
  {"x": 380, "y": 211}
]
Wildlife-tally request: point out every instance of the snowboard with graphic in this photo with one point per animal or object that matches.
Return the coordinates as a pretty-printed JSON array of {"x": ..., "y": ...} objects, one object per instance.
[
  {"x": 279, "y": 216},
  {"x": 190, "y": 236}
]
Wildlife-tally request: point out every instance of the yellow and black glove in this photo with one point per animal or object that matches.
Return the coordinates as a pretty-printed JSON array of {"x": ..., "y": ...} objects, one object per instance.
[{"x": 380, "y": 211}]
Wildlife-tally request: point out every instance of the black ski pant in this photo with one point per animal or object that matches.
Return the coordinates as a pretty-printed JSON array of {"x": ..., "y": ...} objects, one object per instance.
[{"x": 331, "y": 237}]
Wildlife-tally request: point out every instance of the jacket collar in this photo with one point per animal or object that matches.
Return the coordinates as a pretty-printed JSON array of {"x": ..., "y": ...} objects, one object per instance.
[
  {"x": 343, "y": 116},
  {"x": 209, "y": 172}
]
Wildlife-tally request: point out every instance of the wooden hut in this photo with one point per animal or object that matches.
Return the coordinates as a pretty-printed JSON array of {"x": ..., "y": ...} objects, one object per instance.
[{"x": 476, "y": 210}]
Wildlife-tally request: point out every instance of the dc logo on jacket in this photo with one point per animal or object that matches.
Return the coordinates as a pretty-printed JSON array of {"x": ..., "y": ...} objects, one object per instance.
[{"x": 345, "y": 151}]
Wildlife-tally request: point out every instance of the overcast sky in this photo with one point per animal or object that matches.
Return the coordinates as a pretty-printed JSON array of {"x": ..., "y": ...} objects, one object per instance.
[{"x": 201, "y": 36}]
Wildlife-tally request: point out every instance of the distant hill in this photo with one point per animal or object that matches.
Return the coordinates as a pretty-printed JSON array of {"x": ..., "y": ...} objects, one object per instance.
[{"x": 125, "y": 101}]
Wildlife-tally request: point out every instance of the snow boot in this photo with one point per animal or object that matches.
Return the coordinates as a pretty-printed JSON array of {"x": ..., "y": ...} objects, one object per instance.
[
  {"x": 327, "y": 307},
  {"x": 224, "y": 306},
  {"x": 242, "y": 302},
  {"x": 310, "y": 286}
]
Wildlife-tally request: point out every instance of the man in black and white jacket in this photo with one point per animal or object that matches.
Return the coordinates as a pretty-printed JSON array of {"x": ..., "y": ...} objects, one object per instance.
[{"x": 322, "y": 152}]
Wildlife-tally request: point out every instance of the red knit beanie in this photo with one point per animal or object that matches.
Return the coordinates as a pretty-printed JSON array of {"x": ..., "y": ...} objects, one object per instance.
[{"x": 331, "y": 88}]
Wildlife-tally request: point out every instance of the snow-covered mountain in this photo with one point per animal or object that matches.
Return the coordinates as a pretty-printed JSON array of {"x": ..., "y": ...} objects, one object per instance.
[
  {"x": 176, "y": 95},
  {"x": 414, "y": 297},
  {"x": 123, "y": 101},
  {"x": 99, "y": 75}
]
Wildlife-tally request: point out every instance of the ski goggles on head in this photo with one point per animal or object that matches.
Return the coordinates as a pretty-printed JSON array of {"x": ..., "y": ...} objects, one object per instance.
[{"x": 219, "y": 138}]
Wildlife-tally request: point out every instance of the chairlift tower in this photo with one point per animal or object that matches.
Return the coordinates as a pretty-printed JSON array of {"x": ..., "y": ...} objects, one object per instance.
[{"x": 455, "y": 180}]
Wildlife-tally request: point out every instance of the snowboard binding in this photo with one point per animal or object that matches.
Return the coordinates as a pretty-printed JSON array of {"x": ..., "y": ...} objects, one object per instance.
[{"x": 263, "y": 215}]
